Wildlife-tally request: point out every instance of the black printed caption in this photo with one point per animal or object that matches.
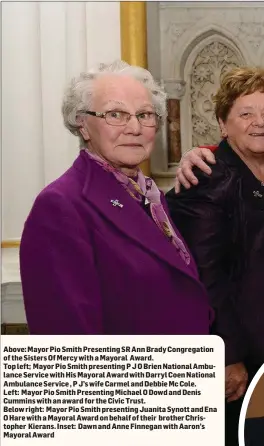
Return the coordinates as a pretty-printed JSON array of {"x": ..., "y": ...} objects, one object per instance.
[{"x": 49, "y": 389}]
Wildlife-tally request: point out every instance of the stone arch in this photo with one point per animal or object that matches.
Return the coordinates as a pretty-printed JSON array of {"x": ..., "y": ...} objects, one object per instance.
[
  {"x": 185, "y": 46},
  {"x": 214, "y": 31}
]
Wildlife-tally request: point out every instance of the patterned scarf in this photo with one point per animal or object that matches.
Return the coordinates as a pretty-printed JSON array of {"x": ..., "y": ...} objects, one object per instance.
[{"x": 145, "y": 189}]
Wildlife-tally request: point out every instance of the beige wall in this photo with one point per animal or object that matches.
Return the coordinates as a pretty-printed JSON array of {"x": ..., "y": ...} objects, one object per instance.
[
  {"x": 256, "y": 403},
  {"x": 45, "y": 44}
]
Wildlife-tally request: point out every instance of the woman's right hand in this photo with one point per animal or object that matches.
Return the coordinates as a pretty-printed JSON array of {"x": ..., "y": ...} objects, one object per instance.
[
  {"x": 236, "y": 378},
  {"x": 195, "y": 157}
]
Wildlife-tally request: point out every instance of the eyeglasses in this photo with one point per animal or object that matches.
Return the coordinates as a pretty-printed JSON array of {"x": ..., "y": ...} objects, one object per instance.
[{"x": 119, "y": 118}]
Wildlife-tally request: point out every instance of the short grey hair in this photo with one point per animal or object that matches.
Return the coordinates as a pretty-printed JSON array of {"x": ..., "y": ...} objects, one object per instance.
[{"x": 78, "y": 95}]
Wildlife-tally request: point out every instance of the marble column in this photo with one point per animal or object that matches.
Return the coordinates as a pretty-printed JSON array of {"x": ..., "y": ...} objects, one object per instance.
[{"x": 175, "y": 91}]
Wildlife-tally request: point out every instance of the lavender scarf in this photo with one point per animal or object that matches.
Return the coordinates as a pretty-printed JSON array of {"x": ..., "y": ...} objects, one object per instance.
[{"x": 146, "y": 188}]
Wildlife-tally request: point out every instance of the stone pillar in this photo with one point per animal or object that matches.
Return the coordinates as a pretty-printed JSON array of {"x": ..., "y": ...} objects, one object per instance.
[
  {"x": 175, "y": 91},
  {"x": 133, "y": 25}
]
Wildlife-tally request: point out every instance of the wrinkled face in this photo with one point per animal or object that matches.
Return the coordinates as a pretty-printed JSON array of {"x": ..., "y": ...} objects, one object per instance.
[
  {"x": 123, "y": 146},
  {"x": 244, "y": 126}
]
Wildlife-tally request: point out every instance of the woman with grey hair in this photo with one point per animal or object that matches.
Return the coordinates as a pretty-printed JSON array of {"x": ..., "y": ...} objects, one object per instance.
[{"x": 99, "y": 253}]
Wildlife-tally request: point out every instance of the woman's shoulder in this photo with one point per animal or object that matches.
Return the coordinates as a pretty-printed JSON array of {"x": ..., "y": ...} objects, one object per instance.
[
  {"x": 220, "y": 172},
  {"x": 61, "y": 195},
  {"x": 69, "y": 184},
  {"x": 225, "y": 171},
  {"x": 217, "y": 188},
  {"x": 218, "y": 182}
]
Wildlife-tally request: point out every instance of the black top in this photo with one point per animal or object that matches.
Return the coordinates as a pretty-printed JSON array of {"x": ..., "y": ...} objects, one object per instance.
[
  {"x": 254, "y": 431},
  {"x": 222, "y": 221}
]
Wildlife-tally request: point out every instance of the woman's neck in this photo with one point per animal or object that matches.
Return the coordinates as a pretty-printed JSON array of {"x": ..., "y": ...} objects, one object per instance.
[
  {"x": 130, "y": 172},
  {"x": 127, "y": 170},
  {"x": 254, "y": 161}
]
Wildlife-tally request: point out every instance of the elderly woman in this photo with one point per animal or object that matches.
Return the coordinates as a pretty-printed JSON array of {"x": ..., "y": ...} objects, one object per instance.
[
  {"x": 222, "y": 221},
  {"x": 99, "y": 254}
]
